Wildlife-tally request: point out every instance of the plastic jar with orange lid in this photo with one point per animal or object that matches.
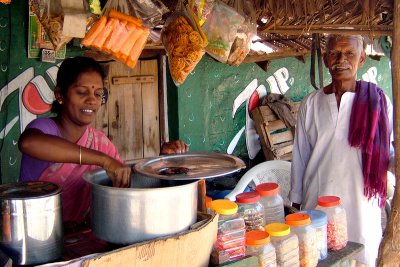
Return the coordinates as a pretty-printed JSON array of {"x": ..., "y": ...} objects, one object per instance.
[
  {"x": 251, "y": 210},
  {"x": 319, "y": 221},
  {"x": 230, "y": 244},
  {"x": 300, "y": 224},
  {"x": 272, "y": 202},
  {"x": 337, "y": 221},
  {"x": 258, "y": 244},
  {"x": 286, "y": 244}
]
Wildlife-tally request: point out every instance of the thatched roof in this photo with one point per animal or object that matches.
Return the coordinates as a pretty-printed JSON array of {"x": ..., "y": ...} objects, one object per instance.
[{"x": 286, "y": 26}]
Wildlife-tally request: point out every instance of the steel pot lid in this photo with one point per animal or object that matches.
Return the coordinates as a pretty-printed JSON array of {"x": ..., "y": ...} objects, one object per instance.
[
  {"x": 189, "y": 166},
  {"x": 25, "y": 190}
]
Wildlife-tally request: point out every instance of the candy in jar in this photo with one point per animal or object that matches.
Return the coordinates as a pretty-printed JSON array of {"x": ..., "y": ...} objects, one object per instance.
[
  {"x": 286, "y": 244},
  {"x": 258, "y": 244},
  {"x": 251, "y": 210},
  {"x": 337, "y": 221},
  {"x": 319, "y": 221},
  {"x": 300, "y": 224},
  {"x": 230, "y": 244}
]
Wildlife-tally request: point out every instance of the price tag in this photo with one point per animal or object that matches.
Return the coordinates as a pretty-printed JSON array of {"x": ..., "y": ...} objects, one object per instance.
[{"x": 48, "y": 55}]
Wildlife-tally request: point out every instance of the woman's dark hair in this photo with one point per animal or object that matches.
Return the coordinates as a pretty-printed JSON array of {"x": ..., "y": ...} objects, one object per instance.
[{"x": 69, "y": 72}]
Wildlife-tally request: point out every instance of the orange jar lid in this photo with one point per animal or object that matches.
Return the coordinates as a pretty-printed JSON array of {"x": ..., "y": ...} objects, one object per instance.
[
  {"x": 267, "y": 189},
  {"x": 298, "y": 219},
  {"x": 257, "y": 237},
  {"x": 248, "y": 197},
  {"x": 328, "y": 201}
]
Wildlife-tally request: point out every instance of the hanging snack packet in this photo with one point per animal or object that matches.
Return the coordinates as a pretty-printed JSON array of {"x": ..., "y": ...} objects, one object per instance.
[
  {"x": 184, "y": 42},
  {"x": 221, "y": 29},
  {"x": 119, "y": 35},
  {"x": 202, "y": 9}
]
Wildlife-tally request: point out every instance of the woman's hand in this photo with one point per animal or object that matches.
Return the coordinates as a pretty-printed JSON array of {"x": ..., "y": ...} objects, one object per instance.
[
  {"x": 174, "y": 147},
  {"x": 119, "y": 174}
]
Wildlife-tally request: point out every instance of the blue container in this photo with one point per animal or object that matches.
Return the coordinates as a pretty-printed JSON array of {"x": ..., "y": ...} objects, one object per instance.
[{"x": 319, "y": 221}]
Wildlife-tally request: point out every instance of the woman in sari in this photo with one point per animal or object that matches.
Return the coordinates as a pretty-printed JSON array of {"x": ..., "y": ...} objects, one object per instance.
[{"x": 63, "y": 148}]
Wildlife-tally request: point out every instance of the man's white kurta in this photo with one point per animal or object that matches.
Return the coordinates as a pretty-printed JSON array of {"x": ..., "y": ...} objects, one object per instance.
[{"x": 325, "y": 164}]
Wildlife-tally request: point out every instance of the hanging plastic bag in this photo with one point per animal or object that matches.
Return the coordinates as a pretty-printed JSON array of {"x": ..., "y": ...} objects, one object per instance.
[
  {"x": 184, "y": 42},
  {"x": 51, "y": 17},
  {"x": 221, "y": 29},
  {"x": 202, "y": 9},
  {"x": 119, "y": 35},
  {"x": 245, "y": 32},
  {"x": 150, "y": 12}
]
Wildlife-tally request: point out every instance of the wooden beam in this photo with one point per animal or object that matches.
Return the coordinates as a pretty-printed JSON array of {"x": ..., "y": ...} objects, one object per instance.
[
  {"x": 303, "y": 30},
  {"x": 275, "y": 55},
  {"x": 389, "y": 250}
]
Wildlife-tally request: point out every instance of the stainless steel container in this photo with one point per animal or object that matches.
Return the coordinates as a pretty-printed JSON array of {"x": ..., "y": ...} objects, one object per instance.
[
  {"x": 31, "y": 222},
  {"x": 129, "y": 215},
  {"x": 163, "y": 198}
]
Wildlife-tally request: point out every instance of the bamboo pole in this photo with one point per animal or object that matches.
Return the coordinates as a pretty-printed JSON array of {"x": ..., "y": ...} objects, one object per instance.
[{"x": 389, "y": 251}]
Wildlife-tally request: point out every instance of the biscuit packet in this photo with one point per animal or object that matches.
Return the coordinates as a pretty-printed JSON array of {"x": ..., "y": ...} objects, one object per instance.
[
  {"x": 62, "y": 19},
  {"x": 184, "y": 42}
]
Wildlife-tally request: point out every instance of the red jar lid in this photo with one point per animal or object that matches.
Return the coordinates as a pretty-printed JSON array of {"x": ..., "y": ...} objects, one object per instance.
[
  {"x": 328, "y": 201},
  {"x": 267, "y": 189},
  {"x": 248, "y": 197}
]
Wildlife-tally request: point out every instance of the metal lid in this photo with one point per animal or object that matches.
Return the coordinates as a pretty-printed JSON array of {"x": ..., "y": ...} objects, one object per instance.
[
  {"x": 25, "y": 190},
  {"x": 189, "y": 166}
]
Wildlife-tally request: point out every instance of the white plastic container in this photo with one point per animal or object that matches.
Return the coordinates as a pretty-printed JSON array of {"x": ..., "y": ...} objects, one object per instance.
[
  {"x": 258, "y": 244},
  {"x": 337, "y": 221},
  {"x": 230, "y": 244},
  {"x": 272, "y": 202},
  {"x": 300, "y": 224},
  {"x": 286, "y": 244},
  {"x": 251, "y": 210},
  {"x": 319, "y": 221}
]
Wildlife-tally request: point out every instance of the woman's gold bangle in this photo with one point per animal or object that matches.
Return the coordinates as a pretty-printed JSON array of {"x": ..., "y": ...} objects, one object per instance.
[{"x": 80, "y": 155}]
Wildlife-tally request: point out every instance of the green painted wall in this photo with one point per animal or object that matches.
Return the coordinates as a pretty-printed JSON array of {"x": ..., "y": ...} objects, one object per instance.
[
  {"x": 16, "y": 71},
  {"x": 206, "y": 98}
]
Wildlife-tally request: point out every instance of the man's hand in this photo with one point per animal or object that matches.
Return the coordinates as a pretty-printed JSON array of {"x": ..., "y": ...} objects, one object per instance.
[
  {"x": 174, "y": 147},
  {"x": 119, "y": 174}
]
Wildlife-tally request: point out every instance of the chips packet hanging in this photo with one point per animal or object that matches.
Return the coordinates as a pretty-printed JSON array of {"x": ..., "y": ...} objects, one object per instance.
[
  {"x": 51, "y": 16},
  {"x": 119, "y": 35},
  {"x": 184, "y": 42},
  {"x": 245, "y": 32},
  {"x": 221, "y": 28}
]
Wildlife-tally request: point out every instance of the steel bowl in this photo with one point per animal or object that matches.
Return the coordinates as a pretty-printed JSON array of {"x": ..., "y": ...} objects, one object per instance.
[{"x": 155, "y": 208}]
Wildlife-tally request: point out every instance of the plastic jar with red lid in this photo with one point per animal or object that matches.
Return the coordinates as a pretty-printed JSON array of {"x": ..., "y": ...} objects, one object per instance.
[
  {"x": 258, "y": 244},
  {"x": 300, "y": 224},
  {"x": 251, "y": 210},
  {"x": 272, "y": 202},
  {"x": 337, "y": 221},
  {"x": 231, "y": 243}
]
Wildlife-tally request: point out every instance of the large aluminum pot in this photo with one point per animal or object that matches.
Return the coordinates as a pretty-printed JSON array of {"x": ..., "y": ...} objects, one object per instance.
[
  {"x": 155, "y": 208},
  {"x": 31, "y": 222}
]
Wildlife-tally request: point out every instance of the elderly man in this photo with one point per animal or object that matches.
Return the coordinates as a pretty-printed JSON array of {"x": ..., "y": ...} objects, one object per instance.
[{"x": 342, "y": 145}]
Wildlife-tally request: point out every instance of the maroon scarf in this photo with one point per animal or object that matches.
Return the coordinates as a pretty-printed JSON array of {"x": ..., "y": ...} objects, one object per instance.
[{"x": 369, "y": 131}]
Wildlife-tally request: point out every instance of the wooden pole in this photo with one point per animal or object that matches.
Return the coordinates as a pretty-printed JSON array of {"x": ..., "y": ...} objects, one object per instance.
[{"x": 389, "y": 251}]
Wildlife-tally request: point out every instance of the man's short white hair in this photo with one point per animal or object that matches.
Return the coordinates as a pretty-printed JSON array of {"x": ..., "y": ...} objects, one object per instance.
[{"x": 359, "y": 38}]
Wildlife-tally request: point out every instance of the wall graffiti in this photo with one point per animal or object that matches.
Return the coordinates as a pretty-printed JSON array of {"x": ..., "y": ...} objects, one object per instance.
[{"x": 35, "y": 97}]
